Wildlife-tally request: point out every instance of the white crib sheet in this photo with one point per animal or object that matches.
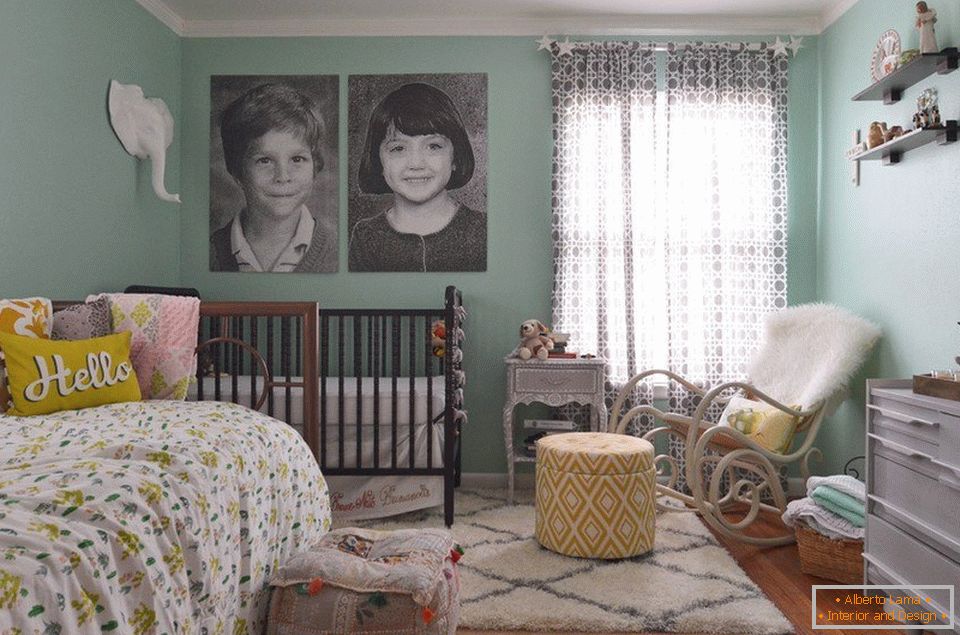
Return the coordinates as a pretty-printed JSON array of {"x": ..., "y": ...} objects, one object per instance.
[{"x": 350, "y": 397}]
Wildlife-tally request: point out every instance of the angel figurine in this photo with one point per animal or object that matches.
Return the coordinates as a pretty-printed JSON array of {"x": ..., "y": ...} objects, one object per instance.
[{"x": 926, "y": 18}]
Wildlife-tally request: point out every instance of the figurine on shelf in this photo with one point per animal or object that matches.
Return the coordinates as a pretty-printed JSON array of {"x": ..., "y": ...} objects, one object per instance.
[
  {"x": 926, "y": 18},
  {"x": 876, "y": 133},
  {"x": 928, "y": 110},
  {"x": 892, "y": 133}
]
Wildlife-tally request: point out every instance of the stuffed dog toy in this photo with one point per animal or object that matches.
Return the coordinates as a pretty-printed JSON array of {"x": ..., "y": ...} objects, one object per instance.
[{"x": 534, "y": 341}]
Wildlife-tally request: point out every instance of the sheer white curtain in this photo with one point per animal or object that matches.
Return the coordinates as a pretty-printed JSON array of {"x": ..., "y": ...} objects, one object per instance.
[
  {"x": 604, "y": 186},
  {"x": 670, "y": 206}
]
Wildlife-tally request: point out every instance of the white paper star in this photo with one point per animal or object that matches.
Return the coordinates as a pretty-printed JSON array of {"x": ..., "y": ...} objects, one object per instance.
[
  {"x": 779, "y": 47},
  {"x": 545, "y": 42},
  {"x": 795, "y": 44},
  {"x": 566, "y": 47}
]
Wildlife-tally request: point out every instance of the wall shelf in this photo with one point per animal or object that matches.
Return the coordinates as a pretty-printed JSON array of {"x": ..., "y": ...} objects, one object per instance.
[
  {"x": 891, "y": 151},
  {"x": 891, "y": 87}
]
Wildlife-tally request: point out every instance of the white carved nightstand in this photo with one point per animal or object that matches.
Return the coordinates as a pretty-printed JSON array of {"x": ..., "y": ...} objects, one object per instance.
[{"x": 554, "y": 382}]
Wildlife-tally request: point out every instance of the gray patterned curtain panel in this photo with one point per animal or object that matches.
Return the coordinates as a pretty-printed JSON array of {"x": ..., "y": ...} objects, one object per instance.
[{"x": 669, "y": 206}]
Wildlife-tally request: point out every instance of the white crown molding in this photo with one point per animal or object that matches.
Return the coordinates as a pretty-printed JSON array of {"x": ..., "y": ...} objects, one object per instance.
[
  {"x": 832, "y": 13},
  {"x": 160, "y": 10},
  {"x": 650, "y": 25}
]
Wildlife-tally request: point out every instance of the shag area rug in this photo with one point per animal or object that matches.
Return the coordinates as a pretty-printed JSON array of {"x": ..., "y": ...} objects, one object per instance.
[{"x": 687, "y": 584}]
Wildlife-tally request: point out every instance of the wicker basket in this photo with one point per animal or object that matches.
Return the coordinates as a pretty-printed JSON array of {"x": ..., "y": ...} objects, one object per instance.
[{"x": 837, "y": 560}]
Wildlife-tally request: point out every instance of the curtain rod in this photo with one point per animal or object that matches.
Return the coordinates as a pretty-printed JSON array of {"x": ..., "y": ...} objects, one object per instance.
[{"x": 779, "y": 47}]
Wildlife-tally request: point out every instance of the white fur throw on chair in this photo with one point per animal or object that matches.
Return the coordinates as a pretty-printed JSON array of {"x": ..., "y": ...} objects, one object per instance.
[{"x": 810, "y": 353}]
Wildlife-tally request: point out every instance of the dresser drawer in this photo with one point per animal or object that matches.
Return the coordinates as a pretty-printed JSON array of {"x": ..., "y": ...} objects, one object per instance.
[
  {"x": 917, "y": 495},
  {"x": 876, "y": 574},
  {"x": 912, "y": 562},
  {"x": 557, "y": 380},
  {"x": 913, "y": 432},
  {"x": 925, "y": 429}
]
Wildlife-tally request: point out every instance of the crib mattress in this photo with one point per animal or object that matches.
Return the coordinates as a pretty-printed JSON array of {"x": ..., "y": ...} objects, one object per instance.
[
  {"x": 364, "y": 497},
  {"x": 424, "y": 405}
]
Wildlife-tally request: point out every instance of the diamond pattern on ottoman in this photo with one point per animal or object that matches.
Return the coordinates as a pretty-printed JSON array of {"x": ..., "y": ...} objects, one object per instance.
[
  {"x": 403, "y": 582},
  {"x": 595, "y": 495}
]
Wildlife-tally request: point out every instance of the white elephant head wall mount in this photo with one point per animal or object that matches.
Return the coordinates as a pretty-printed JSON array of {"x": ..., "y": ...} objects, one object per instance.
[{"x": 145, "y": 128}]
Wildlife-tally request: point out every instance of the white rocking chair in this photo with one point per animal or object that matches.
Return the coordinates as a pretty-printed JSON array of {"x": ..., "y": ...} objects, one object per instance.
[{"x": 810, "y": 353}]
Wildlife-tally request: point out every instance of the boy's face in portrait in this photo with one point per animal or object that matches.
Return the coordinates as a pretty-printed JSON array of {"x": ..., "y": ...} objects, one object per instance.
[
  {"x": 416, "y": 168},
  {"x": 277, "y": 174}
]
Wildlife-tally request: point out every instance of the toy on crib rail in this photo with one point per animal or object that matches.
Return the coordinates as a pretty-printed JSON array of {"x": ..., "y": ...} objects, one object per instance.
[
  {"x": 438, "y": 338},
  {"x": 534, "y": 341}
]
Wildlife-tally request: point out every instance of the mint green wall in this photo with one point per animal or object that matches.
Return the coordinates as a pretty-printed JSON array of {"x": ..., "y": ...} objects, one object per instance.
[
  {"x": 518, "y": 281},
  {"x": 888, "y": 248},
  {"x": 77, "y": 213}
]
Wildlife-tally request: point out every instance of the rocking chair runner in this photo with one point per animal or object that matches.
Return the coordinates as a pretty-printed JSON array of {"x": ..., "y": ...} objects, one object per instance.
[{"x": 809, "y": 354}]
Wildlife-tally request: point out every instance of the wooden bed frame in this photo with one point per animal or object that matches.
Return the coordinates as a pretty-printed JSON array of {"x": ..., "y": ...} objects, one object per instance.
[{"x": 277, "y": 347}]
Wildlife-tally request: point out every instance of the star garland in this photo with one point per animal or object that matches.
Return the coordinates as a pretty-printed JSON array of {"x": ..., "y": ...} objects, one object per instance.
[{"x": 778, "y": 46}]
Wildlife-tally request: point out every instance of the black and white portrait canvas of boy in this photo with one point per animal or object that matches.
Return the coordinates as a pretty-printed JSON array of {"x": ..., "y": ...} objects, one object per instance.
[
  {"x": 274, "y": 173},
  {"x": 417, "y": 172}
]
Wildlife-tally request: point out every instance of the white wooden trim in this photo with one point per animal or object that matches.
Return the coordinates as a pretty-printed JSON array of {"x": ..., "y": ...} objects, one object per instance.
[
  {"x": 643, "y": 25},
  {"x": 832, "y": 13},
  {"x": 160, "y": 10},
  {"x": 651, "y": 25}
]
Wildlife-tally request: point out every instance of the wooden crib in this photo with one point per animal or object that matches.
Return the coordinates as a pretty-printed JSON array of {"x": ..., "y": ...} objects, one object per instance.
[{"x": 386, "y": 401}]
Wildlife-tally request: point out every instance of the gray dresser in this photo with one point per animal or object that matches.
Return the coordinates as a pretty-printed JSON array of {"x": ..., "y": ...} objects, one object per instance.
[{"x": 913, "y": 490}]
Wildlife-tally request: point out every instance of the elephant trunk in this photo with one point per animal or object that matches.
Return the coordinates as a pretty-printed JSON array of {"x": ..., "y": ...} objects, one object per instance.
[{"x": 157, "y": 165}]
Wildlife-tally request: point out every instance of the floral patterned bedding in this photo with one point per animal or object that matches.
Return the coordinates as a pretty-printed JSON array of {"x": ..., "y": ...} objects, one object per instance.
[{"x": 150, "y": 517}]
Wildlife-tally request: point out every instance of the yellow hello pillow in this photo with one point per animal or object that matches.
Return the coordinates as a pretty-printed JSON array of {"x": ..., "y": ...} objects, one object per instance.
[
  {"x": 51, "y": 375},
  {"x": 768, "y": 426}
]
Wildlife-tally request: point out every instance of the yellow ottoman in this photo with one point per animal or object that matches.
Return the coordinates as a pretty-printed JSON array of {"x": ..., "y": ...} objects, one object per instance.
[{"x": 595, "y": 494}]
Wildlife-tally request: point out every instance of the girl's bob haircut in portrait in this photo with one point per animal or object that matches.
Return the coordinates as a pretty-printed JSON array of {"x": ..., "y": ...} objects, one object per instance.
[
  {"x": 262, "y": 109},
  {"x": 415, "y": 109}
]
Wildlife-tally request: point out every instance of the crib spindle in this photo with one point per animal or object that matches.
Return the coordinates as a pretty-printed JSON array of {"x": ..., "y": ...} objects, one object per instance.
[
  {"x": 428, "y": 371},
  {"x": 254, "y": 368},
  {"x": 375, "y": 325},
  {"x": 271, "y": 364},
  {"x": 340, "y": 387},
  {"x": 412, "y": 358},
  {"x": 285, "y": 365},
  {"x": 394, "y": 374},
  {"x": 324, "y": 373},
  {"x": 358, "y": 373}
]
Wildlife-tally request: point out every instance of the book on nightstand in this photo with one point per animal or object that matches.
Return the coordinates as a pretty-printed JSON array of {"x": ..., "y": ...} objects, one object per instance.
[
  {"x": 550, "y": 424},
  {"x": 561, "y": 355}
]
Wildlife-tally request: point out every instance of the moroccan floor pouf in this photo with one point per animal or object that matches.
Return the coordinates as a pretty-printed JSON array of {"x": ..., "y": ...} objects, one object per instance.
[
  {"x": 364, "y": 581},
  {"x": 595, "y": 494}
]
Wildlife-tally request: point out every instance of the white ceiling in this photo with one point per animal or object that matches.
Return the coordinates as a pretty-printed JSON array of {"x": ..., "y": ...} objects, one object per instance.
[{"x": 213, "y": 18}]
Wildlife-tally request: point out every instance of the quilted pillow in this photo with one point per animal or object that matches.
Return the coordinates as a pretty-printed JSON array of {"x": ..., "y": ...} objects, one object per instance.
[
  {"x": 49, "y": 375},
  {"x": 30, "y": 317},
  {"x": 162, "y": 350},
  {"x": 767, "y": 425},
  {"x": 82, "y": 321}
]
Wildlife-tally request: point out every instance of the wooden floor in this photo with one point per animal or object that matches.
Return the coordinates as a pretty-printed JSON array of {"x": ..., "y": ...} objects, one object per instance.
[{"x": 776, "y": 570}]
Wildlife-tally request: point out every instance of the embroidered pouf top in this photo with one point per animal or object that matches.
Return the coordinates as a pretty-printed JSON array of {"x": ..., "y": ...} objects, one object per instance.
[
  {"x": 357, "y": 580},
  {"x": 595, "y": 453}
]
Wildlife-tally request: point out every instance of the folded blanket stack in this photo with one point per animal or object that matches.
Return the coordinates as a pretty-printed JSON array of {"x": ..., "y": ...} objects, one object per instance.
[{"x": 834, "y": 507}]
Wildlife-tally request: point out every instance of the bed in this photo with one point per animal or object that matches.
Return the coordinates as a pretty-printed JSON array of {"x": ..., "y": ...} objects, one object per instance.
[
  {"x": 150, "y": 517},
  {"x": 385, "y": 412}
]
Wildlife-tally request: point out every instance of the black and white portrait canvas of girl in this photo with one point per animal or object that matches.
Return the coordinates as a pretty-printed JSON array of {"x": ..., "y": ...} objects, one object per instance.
[
  {"x": 274, "y": 173},
  {"x": 418, "y": 172}
]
